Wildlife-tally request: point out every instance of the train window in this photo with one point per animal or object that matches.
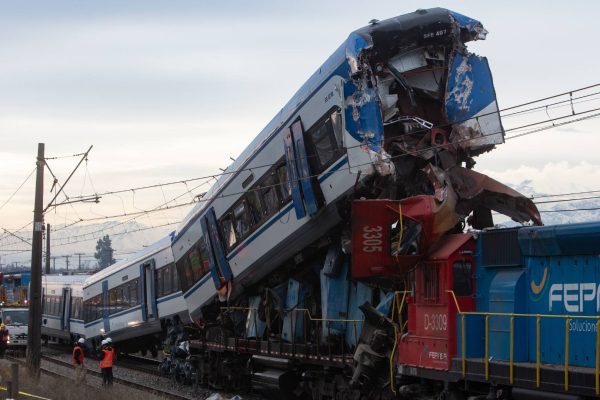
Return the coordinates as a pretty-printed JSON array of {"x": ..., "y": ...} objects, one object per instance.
[
  {"x": 176, "y": 283},
  {"x": 255, "y": 207},
  {"x": 158, "y": 282},
  {"x": 181, "y": 272},
  {"x": 93, "y": 308},
  {"x": 167, "y": 280},
  {"x": 430, "y": 283},
  {"x": 242, "y": 220},
  {"x": 196, "y": 264},
  {"x": 133, "y": 292},
  {"x": 269, "y": 195},
  {"x": 125, "y": 296},
  {"x": 324, "y": 142},
  {"x": 285, "y": 191},
  {"x": 462, "y": 277},
  {"x": 228, "y": 231}
]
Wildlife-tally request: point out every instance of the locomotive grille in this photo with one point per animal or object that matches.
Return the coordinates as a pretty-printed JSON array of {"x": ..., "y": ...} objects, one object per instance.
[{"x": 500, "y": 248}]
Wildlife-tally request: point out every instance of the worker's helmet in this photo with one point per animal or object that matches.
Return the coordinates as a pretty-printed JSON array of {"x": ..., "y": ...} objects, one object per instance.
[
  {"x": 81, "y": 341},
  {"x": 108, "y": 340},
  {"x": 103, "y": 343}
]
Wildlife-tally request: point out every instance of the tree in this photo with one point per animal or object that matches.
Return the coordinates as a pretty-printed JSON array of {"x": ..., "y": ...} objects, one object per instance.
[{"x": 104, "y": 252}]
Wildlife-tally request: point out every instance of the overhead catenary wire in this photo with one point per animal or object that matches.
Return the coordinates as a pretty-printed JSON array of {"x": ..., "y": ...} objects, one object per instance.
[
  {"x": 184, "y": 181},
  {"x": 312, "y": 176},
  {"x": 17, "y": 190},
  {"x": 362, "y": 144}
]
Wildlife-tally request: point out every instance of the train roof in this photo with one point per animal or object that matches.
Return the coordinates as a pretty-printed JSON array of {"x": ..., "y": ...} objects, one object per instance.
[
  {"x": 379, "y": 34},
  {"x": 561, "y": 240},
  {"x": 136, "y": 258},
  {"x": 65, "y": 278}
]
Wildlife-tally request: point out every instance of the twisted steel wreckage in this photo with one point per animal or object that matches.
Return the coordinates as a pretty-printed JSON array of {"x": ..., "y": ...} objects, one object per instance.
[
  {"x": 322, "y": 221},
  {"x": 305, "y": 265}
]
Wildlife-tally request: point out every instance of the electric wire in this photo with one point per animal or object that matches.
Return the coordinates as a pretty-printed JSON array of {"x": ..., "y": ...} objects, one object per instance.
[
  {"x": 19, "y": 188},
  {"x": 224, "y": 173},
  {"x": 403, "y": 154}
]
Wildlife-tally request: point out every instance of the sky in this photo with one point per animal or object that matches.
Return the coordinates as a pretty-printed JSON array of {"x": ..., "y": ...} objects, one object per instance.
[{"x": 170, "y": 90}]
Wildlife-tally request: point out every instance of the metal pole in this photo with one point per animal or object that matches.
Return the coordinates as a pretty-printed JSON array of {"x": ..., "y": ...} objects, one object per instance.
[
  {"x": 47, "y": 249},
  {"x": 34, "y": 339}
]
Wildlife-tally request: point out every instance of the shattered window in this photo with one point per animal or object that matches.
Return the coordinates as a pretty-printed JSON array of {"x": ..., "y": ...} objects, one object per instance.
[
  {"x": 228, "y": 232},
  {"x": 242, "y": 223},
  {"x": 325, "y": 142},
  {"x": 336, "y": 121},
  {"x": 270, "y": 199},
  {"x": 254, "y": 206},
  {"x": 284, "y": 184}
]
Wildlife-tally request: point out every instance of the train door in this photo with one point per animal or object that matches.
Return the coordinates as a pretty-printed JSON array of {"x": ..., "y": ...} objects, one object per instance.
[
  {"x": 220, "y": 269},
  {"x": 106, "y": 307},
  {"x": 306, "y": 192},
  {"x": 66, "y": 310},
  {"x": 148, "y": 291}
]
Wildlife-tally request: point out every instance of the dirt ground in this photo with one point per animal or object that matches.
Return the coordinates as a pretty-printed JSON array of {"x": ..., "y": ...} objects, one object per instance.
[{"x": 54, "y": 388}]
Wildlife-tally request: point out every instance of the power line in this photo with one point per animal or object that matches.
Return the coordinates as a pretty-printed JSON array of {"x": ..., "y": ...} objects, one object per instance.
[
  {"x": 19, "y": 188},
  {"x": 159, "y": 208},
  {"x": 542, "y": 196},
  {"x": 571, "y": 210},
  {"x": 224, "y": 173},
  {"x": 566, "y": 200}
]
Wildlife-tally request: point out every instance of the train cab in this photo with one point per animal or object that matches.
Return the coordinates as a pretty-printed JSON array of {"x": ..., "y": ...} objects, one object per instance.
[{"x": 444, "y": 284}]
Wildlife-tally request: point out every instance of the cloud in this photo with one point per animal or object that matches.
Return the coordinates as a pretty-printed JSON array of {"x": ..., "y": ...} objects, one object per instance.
[{"x": 552, "y": 178}]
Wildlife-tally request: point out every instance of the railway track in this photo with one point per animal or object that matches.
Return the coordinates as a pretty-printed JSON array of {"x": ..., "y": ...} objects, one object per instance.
[{"x": 167, "y": 394}]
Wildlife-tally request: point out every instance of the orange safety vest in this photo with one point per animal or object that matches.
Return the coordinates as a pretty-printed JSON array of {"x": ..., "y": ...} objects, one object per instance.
[
  {"x": 80, "y": 355},
  {"x": 107, "y": 359}
]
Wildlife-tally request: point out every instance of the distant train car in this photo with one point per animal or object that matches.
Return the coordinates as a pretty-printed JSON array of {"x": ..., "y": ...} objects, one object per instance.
[
  {"x": 131, "y": 300},
  {"x": 62, "y": 315}
]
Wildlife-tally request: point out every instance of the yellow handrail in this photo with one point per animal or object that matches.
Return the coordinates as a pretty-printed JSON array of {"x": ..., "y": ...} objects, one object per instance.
[
  {"x": 538, "y": 317},
  {"x": 512, "y": 345},
  {"x": 399, "y": 313},
  {"x": 537, "y": 351},
  {"x": 487, "y": 345},
  {"x": 598, "y": 356},
  {"x": 567, "y": 354}
]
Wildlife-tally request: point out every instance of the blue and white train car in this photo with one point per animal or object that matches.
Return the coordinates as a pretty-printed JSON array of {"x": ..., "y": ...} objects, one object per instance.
[
  {"x": 394, "y": 112},
  {"x": 130, "y": 300},
  {"x": 62, "y": 315}
]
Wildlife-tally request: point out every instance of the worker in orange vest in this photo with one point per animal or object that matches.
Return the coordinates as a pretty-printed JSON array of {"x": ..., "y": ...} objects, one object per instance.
[
  {"x": 106, "y": 362},
  {"x": 78, "y": 358}
]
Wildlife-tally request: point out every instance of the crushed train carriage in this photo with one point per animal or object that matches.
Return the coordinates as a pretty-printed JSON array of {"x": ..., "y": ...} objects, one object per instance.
[{"x": 268, "y": 262}]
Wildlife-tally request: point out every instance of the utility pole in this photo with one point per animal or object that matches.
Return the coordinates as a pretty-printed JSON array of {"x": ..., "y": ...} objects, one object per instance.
[
  {"x": 79, "y": 255},
  {"x": 47, "y": 249},
  {"x": 34, "y": 337},
  {"x": 54, "y": 264},
  {"x": 67, "y": 257}
]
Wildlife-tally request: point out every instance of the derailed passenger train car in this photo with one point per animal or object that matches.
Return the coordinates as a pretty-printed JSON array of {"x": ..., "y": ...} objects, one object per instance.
[
  {"x": 398, "y": 112},
  {"x": 131, "y": 300}
]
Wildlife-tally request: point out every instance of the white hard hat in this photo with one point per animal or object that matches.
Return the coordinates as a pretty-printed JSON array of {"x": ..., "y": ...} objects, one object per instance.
[
  {"x": 108, "y": 340},
  {"x": 104, "y": 342},
  {"x": 81, "y": 341}
]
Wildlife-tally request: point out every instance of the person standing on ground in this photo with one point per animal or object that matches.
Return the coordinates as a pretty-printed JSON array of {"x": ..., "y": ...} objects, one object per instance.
[
  {"x": 3, "y": 339},
  {"x": 106, "y": 362},
  {"x": 78, "y": 358}
]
